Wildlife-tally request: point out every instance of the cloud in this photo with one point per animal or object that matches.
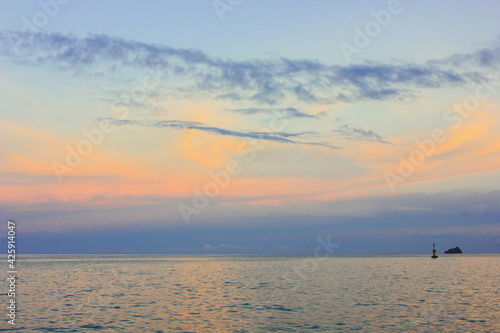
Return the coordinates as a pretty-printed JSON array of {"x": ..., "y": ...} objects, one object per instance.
[
  {"x": 487, "y": 57},
  {"x": 285, "y": 112},
  {"x": 405, "y": 223},
  {"x": 264, "y": 81},
  {"x": 359, "y": 134},
  {"x": 280, "y": 137}
]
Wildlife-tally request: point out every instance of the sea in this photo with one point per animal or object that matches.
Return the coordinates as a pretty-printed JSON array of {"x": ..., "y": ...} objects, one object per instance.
[{"x": 255, "y": 293}]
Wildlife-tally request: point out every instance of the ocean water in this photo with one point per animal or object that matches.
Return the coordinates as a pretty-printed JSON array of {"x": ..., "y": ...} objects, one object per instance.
[{"x": 173, "y": 293}]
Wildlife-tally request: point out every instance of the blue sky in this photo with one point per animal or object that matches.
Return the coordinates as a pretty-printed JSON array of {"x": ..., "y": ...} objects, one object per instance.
[{"x": 250, "y": 126}]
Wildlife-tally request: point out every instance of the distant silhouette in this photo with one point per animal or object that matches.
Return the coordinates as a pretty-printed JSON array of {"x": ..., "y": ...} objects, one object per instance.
[
  {"x": 454, "y": 250},
  {"x": 434, "y": 255}
]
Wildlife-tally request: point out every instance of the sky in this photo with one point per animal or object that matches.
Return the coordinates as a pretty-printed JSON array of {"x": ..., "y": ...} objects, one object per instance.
[{"x": 250, "y": 127}]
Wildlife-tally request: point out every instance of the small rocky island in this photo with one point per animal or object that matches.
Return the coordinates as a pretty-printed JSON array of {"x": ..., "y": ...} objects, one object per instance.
[{"x": 454, "y": 250}]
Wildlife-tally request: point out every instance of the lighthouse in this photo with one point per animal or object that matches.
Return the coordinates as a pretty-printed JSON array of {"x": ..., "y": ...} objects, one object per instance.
[{"x": 434, "y": 255}]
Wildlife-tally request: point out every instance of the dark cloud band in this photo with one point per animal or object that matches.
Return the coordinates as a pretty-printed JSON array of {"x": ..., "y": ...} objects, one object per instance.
[{"x": 263, "y": 81}]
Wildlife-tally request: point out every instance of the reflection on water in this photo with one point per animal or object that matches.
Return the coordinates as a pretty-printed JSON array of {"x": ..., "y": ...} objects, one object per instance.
[{"x": 257, "y": 294}]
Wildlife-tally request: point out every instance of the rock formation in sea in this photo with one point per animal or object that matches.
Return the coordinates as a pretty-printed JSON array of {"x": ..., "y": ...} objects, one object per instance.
[{"x": 454, "y": 250}]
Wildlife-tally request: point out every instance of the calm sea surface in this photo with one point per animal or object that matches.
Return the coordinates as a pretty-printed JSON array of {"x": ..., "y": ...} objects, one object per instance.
[{"x": 162, "y": 293}]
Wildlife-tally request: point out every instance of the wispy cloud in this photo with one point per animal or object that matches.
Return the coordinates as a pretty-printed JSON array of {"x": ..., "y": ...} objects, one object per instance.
[
  {"x": 280, "y": 137},
  {"x": 286, "y": 112},
  {"x": 359, "y": 134},
  {"x": 263, "y": 81},
  {"x": 486, "y": 57}
]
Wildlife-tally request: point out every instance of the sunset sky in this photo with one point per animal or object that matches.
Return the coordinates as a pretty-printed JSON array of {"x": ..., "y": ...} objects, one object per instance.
[{"x": 250, "y": 126}]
